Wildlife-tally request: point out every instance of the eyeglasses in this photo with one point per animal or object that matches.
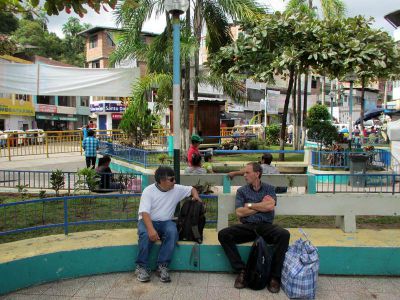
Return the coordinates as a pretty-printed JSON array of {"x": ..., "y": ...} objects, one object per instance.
[{"x": 171, "y": 179}]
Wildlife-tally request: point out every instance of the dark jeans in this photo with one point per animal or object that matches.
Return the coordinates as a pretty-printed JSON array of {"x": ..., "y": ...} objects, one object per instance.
[
  {"x": 169, "y": 236},
  {"x": 90, "y": 161},
  {"x": 244, "y": 233}
]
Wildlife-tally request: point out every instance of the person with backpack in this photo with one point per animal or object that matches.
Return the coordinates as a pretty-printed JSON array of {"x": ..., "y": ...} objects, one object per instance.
[
  {"x": 255, "y": 204},
  {"x": 156, "y": 211}
]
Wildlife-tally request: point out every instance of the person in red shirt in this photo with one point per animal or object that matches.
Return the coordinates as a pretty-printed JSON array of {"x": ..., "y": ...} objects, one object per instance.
[{"x": 194, "y": 148}]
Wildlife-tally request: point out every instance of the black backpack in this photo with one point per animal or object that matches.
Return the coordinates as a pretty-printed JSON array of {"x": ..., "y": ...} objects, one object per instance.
[
  {"x": 191, "y": 221},
  {"x": 258, "y": 266}
]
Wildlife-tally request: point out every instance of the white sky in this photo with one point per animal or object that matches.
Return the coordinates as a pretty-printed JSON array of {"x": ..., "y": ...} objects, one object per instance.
[{"x": 373, "y": 8}]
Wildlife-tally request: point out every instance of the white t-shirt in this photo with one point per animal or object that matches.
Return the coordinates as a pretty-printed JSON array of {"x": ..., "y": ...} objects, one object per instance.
[
  {"x": 268, "y": 169},
  {"x": 161, "y": 205}
]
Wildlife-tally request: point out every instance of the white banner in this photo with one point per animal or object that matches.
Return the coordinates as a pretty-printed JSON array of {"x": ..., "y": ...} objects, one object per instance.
[{"x": 53, "y": 80}]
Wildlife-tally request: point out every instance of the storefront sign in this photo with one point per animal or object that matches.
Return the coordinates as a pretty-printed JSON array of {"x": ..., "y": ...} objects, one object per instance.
[
  {"x": 116, "y": 116},
  {"x": 56, "y": 118},
  {"x": 16, "y": 107},
  {"x": 97, "y": 107},
  {"x": 52, "y": 109},
  {"x": 114, "y": 107}
]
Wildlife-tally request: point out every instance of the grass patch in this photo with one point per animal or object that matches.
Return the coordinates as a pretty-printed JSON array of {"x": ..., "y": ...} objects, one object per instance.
[{"x": 40, "y": 213}]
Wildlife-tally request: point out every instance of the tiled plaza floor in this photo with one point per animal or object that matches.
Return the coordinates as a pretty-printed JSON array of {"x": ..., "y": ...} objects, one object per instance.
[{"x": 186, "y": 285}]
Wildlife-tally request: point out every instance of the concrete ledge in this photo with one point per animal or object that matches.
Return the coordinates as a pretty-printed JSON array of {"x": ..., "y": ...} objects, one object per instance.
[{"x": 36, "y": 261}]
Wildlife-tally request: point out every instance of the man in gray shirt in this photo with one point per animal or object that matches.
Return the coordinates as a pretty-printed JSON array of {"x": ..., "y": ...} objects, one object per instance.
[{"x": 255, "y": 205}]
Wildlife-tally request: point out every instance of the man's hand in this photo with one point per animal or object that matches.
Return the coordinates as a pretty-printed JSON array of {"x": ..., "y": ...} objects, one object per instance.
[
  {"x": 268, "y": 198},
  {"x": 197, "y": 199},
  {"x": 267, "y": 204},
  {"x": 195, "y": 195},
  {"x": 153, "y": 235}
]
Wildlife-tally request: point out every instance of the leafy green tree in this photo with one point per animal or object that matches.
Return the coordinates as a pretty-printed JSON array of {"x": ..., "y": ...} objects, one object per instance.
[
  {"x": 320, "y": 128},
  {"x": 53, "y": 7},
  {"x": 73, "y": 44},
  {"x": 7, "y": 46},
  {"x": 8, "y": 22},
  {"x": 213, "y": 15},
  {"x": 331, "y": 10},
  {"x": 278, "y": 44},
  {"x": 352, "y": 46},
  {"x": 37, "y": 40}
]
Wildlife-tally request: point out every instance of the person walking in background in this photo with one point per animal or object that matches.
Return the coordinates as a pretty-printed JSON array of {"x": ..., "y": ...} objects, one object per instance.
[
  {"x": 85, "y": 129},
  {"x": 194, "y": 148},
  {"x": 196, "y": 168},
  {"x": 90, "y": 144},
  {"x": 266, "y": 167},
  {"x": 290, "y": 133},
  {"x": 208, "y": 162}
]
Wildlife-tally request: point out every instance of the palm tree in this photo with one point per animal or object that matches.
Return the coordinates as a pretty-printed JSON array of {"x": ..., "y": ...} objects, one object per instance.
[{"x": 214, "y": 15}]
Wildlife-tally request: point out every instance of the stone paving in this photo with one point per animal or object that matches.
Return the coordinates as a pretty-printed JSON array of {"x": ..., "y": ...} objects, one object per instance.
[{"x": 193, "y": 286}]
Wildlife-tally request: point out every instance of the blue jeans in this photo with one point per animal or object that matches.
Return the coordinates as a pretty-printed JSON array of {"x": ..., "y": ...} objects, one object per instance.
[{"x": 169, "y": 236}]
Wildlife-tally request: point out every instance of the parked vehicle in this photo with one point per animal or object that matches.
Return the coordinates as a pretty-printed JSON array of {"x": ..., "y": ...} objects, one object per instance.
[
  {"x": 17, "y": 137},
  {"x": 35, "y": 136},
  {"x": 257, "y": 130}
]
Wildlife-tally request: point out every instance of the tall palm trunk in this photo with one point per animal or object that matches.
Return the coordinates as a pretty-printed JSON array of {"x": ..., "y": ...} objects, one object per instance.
[
  {"x": 197, "y": 32},
  {"x": 284, "y": 116},
  {"x": 186, "y": 106},
  {"x": 298, "y": 127},
  {"x": 305, "y": 95},
  {"x": 362, "y": 103},
  {"x": 294, "y": 110}
]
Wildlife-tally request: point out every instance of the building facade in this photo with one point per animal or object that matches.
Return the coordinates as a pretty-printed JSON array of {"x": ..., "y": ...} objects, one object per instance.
[
  {"x": 17, "y": 111},
  {"x": 100, "y": 43}
]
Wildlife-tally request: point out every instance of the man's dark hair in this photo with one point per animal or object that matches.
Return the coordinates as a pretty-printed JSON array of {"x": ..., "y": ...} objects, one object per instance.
[
  {"x": 256, "y": 168},
  {"x": 196, "y": 160},
  {"x": 107, "y": 158},
  {"x": 163, "y": 172},
  {"x": 101, "y": 162},
  {"x": 90, "y": 133},
  {"x": 266, "y": 158}
]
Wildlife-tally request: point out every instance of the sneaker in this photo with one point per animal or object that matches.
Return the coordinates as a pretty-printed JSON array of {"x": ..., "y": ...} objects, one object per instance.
[
  {"x": 142, "y": 274},
  {"x": 162, "y": 272}
]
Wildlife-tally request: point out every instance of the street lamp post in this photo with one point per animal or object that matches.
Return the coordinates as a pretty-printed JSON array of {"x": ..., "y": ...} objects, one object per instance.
[
  {"x": 351, "y": 77},
  {"x": 176, "y": 8}
]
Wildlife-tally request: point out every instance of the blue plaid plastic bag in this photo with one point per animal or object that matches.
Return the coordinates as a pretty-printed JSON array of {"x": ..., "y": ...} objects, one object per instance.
[{"x": 300, "y": 270}]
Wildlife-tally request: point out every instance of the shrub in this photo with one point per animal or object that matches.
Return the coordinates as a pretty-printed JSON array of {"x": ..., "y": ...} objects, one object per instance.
[
  {"x": 272, "y": 134},
  {"x": 320, "y": 128},
  {"x": 252, "y": 144},
  {"x": 57, "y": 181},
  {"x": 87, "y": 177}
]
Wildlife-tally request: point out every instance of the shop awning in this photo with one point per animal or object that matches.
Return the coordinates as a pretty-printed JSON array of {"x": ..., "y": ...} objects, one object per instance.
[{"x": 41, "y": 79}]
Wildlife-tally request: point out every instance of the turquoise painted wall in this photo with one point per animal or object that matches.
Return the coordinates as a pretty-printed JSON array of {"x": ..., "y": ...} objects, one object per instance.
[{"x": 70, "y": 264}]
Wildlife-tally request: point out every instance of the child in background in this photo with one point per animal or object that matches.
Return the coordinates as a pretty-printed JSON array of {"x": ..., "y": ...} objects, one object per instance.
[{"x": 208, "y": 163}]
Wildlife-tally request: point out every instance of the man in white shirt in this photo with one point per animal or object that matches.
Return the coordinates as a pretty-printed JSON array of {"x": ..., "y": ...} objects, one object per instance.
[{"x": 156, "y": 210}]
